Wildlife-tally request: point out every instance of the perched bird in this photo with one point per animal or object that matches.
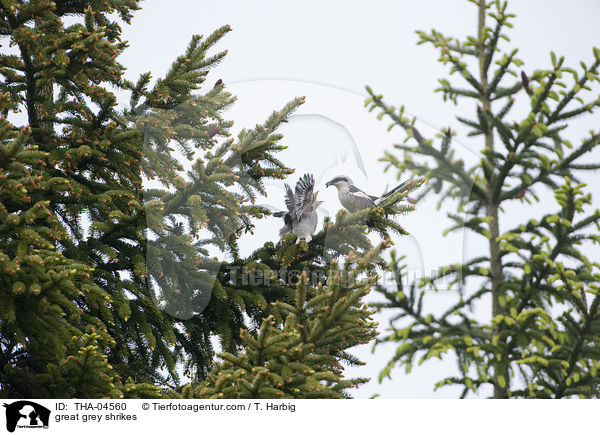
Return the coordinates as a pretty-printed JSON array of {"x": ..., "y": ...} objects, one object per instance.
[
  {"x": 213, "y": 131},
  {"x": 354, "y": 199},
  {"x": 301, "y": 217}
]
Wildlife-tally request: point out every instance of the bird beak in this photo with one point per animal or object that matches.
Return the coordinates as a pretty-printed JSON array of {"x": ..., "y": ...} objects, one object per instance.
[
  {"x": 328, "y": 184},
  {"x": 317, "y": 202}
]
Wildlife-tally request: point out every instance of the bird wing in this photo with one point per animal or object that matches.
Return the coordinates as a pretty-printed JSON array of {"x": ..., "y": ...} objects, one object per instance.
[
  {"x": 360, "y": 199},
  {"x": 290, "y": 200},
  {"x": 304, "y": 193}
]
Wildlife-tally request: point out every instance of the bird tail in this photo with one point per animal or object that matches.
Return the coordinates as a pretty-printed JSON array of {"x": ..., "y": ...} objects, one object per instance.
[{"x": 394, "y": 190}]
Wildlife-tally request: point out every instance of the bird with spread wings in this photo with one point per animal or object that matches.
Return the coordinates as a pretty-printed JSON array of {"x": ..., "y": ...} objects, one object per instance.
[{"x": 301, "y": 215}]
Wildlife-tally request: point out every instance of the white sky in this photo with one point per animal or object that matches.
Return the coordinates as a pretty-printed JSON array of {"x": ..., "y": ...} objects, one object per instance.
[{"x": 329, "y": 51}]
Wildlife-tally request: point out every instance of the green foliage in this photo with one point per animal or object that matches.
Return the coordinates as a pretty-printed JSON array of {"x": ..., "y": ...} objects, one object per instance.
[
  {"x": 81, "y": 162},
  {"x": 542, "y": 337},
  {"x": 86, "y": 373},
  {"x": 114, "y": 222},
  {"x": 56, "y": 311},
  {"x": 298, "y": 351}
]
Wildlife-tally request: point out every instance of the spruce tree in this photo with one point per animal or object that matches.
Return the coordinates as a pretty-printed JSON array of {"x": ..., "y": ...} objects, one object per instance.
[
  {"x": 541, "y": 339},
  {"x": 56, "y": 314},
  {"x": 113, "y": 276},
  {"x": 74, "y": 207},
  {"x": 299, "y": 351}
]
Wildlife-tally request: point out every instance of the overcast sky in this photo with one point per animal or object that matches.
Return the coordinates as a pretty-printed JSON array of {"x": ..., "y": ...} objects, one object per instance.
[{"x": 328, "y": 51}]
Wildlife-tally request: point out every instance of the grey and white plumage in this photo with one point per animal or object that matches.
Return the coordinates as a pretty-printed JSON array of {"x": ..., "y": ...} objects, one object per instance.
[
  {"x": 353, "y": 199},
  {"x": 301, "y": 216}
]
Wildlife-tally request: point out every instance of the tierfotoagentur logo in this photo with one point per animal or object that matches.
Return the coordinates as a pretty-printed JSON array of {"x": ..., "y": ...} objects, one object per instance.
[{"x": 25, "y": 414}]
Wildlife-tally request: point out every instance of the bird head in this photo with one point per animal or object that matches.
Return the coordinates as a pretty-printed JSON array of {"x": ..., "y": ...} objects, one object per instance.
[
  {"x": 338, "y": 181},
  {"x": 315, "y": 203}
]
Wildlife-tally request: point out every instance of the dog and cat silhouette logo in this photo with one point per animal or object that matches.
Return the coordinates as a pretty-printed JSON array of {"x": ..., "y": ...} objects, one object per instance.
[{"x": 26, "y": 414}]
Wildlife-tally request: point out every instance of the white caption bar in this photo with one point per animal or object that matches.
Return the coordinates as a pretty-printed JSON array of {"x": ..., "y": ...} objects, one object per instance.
[{"x": 298, "y": 416}]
